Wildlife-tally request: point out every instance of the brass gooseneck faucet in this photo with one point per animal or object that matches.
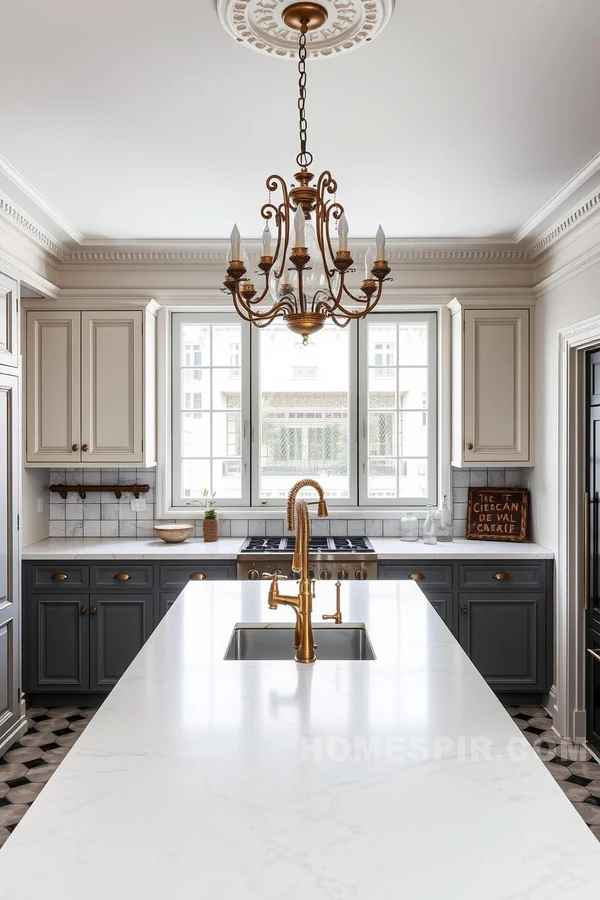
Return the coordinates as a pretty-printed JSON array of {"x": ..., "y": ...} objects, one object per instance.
[{"x": 297, "y": 512}]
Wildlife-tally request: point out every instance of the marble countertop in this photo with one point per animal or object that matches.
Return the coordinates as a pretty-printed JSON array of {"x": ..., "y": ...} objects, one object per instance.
[
  {"x": 227, "y": 548},
  {"x": 403, "y": 776}
]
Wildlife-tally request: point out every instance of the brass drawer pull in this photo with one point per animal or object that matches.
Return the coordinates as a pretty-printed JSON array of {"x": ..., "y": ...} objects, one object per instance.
[
  {"x": 93, "y": 610},
  {"x": 83, "y": 610},
  {"x": 502, "y": 576},
  {"x": 469, "y": 445},
  {"x": 464, "y": 609},
  {"x": 594, "y": 654},
  {"x": 75, "y": 447},
  {"x": 59, "y": 576},
  {"x": 122, "y": 576},
  {"x": 416, "y": 576},
  {"x": 197, "y": 576}
]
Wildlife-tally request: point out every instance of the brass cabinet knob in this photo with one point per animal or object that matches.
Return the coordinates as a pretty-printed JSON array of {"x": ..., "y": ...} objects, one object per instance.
[
  {"x": 122, "y": 576},
  {"x": 75, "y": 447},
  {"x": 502, "y": 576},
  {"x": 469, "y": 445},
  {"x": 84, "y": 447},
  {"x": 464, "y": 608},
  {"x": 416, "y": 576},
  {"x": 93, "y": 610},
  {"x": 83, "y": 610},
  {"x": 197, "y": 576},
  {"x": 59, "y": 576}
]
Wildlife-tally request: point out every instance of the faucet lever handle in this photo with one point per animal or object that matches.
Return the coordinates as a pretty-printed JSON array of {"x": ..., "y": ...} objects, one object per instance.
[{"x": 274, "y": 576}]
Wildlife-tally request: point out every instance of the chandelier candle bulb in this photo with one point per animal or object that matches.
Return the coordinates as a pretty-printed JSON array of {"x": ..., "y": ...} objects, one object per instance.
[
  {"x": 368, "y": 264},
  {"x": 299, "y": 228},
  {"x": 380, "y": 244},
  {"x": 266, "y": 241},
  {"x": 343, "y": 233},
  {"x": 236, "y": 244}
]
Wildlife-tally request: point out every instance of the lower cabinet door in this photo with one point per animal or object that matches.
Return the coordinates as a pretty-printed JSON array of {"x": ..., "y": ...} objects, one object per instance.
[
  {"x": 165, "y": 602},
  {"x": 59, "y": 643},
  {"x": 442, "y": 603},
  {"x": 593, "y": 689},
  {"x": 119, "y": 627},
  {"x": 505, "y": 638}
]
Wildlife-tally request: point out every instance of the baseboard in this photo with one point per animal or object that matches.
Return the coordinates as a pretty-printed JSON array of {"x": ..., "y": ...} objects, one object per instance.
[
  {"x": 550, "y": 702},
  {"x": 521, "y": 698},
  {"x": 66, "y": 699},
  {"x": 16, "y": 732}
]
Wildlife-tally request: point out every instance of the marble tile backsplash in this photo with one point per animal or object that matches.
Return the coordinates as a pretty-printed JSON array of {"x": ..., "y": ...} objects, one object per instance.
[{"x": 102, "y": 515}]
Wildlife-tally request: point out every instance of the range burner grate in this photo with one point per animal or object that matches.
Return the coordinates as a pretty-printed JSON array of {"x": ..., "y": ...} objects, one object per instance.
[{"x": 316, "y": 545}]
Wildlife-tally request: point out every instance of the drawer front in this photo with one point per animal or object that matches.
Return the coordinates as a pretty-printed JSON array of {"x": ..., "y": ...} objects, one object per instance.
[
  {"x": 501, "y": 577},
  {"x": 56, "y": 576},
  {"x": 122, "y": 577},
  {"x": 174, "y": 577},
  {"x": 427, "y": 576}
]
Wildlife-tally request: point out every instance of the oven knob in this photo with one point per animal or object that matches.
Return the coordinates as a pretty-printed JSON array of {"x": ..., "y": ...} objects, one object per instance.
[
  {"x": 360, "y": 574},
  {"x": 253, "y": 574},
  {"x": 343, "y": 574},
  {"x": 277, "y": 571},
  {"x": 294, "y": 575},
  {"x": 326, "y": 574},
  {"x": 311, "y": 573}
]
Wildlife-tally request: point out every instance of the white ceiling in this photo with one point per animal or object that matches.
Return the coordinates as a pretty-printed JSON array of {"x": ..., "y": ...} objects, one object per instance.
[{"x": 145, "y": 120}]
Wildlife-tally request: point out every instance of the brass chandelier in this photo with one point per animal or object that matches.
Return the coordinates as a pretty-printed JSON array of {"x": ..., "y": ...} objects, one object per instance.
[{"x": 305, "y": 285}]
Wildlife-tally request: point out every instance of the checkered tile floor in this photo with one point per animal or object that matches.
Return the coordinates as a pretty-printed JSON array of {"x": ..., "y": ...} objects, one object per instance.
[{"x": 29, "y": 764}]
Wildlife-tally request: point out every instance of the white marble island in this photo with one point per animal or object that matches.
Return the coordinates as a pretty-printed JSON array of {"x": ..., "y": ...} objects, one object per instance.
[{"x": 401, "y": 776}]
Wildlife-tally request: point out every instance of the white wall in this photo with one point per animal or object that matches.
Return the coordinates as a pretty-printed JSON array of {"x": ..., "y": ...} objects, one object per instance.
[
  {"x": 569, "y": 303},
  {"x": 35, "y": 526}
]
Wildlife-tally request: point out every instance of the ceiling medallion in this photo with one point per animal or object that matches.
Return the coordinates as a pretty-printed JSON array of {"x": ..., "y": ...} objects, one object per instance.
[
  {"x": 266, "y": 26},
  {"x": 304, "y": 278}
]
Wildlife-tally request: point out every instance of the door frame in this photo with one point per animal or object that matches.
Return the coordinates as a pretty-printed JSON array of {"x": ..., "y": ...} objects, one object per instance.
[{"x": 569, "y": 703}]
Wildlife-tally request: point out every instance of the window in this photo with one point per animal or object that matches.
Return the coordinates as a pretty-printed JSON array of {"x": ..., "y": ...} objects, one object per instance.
[
  {"x": 207, "y": 435},
  {"x": 398, "y": 408},
  {"x": 303, "y": 396},
  {"x": 355, "y": 409}
]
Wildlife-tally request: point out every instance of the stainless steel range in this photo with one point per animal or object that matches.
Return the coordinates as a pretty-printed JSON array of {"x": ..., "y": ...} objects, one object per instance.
[{"x": 346, "y": 559}]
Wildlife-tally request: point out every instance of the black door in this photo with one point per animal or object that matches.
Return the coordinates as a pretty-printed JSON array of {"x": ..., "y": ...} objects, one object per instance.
[{"x": 593, "y": 620}]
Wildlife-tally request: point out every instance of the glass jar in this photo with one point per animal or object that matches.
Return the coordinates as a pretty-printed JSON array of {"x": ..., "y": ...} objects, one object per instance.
[
  {"x": 430, "y": 527},
  {"x": 409, "y": 527},
  {"x": 444, "y": 521}
]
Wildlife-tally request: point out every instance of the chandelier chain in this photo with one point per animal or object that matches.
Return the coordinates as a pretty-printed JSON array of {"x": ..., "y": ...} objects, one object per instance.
[{"x": 304, "y": 158}]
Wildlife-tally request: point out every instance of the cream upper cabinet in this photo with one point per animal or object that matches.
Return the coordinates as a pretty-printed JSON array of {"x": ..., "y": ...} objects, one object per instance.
[
  {"x": 9, "y": 320},
  {"x": 491, "y": 385},
  {"x": 90, "y": 391}
]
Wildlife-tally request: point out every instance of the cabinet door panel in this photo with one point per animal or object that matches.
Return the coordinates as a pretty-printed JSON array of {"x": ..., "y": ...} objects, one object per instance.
[
  {"x": 496, "y": 385},
  {"x": 119, "y": 627},
  {"x": 505, "y": 638},
  {"x": 9, "y": 319},
  {"x": 59, "y": 643},
  {"x": 10, "y": 595},
  {"x": 112, "y": 386},
  {"x": 53, "y": 387},
  {"x": 165, "y": 602}
]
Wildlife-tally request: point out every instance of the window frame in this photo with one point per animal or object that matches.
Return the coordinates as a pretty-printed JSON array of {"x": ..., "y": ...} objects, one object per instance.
[
  {"x": 351, "y": 501},
  {"x": 433, "y": 388},
  {"x": 177, "y": 501}
]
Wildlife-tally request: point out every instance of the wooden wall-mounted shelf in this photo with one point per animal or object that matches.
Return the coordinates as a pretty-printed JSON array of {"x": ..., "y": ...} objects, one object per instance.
[{"x": 83, "y": 489}]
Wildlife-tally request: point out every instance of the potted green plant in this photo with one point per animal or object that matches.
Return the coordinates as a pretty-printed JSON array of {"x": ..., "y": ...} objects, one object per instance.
[{"x": 210, "y": 523}]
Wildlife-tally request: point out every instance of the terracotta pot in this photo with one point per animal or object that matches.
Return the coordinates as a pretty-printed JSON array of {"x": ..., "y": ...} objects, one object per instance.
[{"x": 210, "y": 529}]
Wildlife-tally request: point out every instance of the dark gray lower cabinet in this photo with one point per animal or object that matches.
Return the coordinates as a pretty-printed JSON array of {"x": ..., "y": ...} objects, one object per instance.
[
  {"x": 84, "y": 623},
  {"x": 501, "y": 612},
  {"x": 505, "y": 639},
  {"x": 119, "y": 628},
  {"x": 58, "y": 638}
]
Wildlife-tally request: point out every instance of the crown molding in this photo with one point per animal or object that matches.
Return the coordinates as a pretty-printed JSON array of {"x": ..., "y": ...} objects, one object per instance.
[
  {"x": 589, "y": 207},
  {"x": 24, "y": 224},
  {"x": 29, "y": 191},
  {"x": 555, "y": 202}
]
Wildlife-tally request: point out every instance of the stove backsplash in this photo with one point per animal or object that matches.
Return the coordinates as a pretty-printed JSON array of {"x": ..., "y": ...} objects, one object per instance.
[{"x": 102, "y": 515}]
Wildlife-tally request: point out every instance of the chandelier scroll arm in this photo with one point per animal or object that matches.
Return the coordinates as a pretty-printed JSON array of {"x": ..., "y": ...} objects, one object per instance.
[{"x": 282, "y": 220}]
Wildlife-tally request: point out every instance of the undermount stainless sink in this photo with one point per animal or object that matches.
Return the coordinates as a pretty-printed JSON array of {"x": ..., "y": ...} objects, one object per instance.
[{"x": 260, "y": 641}]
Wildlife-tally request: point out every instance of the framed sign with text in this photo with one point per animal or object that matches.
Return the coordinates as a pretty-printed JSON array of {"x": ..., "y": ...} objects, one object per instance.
[{"x": 497, "y": 514}]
